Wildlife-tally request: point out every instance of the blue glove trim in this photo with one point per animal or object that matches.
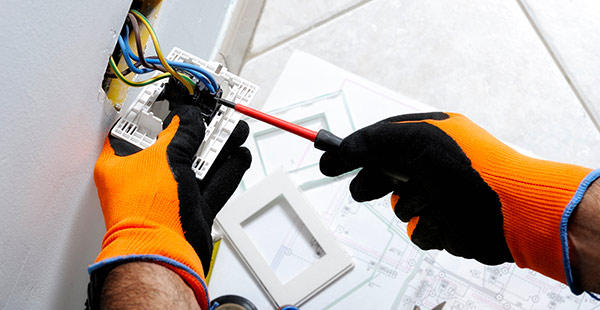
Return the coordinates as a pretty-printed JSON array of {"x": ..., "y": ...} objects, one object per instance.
[
  {"x": 583, "y": 186},
  {"x": 593, "y": 296},
  {"x": 149, "y": 258}
]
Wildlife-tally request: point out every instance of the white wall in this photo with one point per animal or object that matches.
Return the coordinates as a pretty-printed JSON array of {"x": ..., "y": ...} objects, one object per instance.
[{"x": 54, "y": 54}]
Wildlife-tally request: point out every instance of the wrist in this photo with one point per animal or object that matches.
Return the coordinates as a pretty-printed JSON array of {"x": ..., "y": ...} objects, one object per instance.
[
  {"x": 129, "y": 241},
  {"x": 534, "y": 195},
  {"x": 583, "y": 233},
  {"x": 142, "y": 285}
]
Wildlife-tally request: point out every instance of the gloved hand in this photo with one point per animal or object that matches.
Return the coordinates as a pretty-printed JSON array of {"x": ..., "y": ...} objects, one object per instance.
[
  {"x": 467, "y": 193},
  {"x": 154, "y": 207}
]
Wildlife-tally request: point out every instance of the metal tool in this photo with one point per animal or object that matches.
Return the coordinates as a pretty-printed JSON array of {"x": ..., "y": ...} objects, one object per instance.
[{"x": 323, "y": 140}]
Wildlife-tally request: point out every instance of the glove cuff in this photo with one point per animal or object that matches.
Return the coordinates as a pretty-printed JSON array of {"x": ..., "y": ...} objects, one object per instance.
[
  {"x": 534, "y": 194},
  {"x": 589, "y": 179},
  {"x": 128, "y": 241}
]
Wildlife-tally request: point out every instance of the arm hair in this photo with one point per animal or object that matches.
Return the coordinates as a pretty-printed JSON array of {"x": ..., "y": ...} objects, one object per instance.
[{"x": 144, "y": 285}]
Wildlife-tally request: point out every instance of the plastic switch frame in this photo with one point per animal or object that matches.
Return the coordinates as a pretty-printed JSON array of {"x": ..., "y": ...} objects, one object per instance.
[{"x": 139, "y": 126}]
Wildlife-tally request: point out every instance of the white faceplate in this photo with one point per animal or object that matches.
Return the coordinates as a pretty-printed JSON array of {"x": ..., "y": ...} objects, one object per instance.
[{"x": 333, "y": 263}]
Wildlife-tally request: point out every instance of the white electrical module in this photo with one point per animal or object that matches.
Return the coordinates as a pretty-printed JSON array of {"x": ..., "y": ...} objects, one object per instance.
[{"x": 140, "y": 126}]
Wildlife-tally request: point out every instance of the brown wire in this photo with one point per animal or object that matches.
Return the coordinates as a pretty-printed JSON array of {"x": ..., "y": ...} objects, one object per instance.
[
  {"x": 140, "y": 49},
  {"x": 138, "y": 43}
]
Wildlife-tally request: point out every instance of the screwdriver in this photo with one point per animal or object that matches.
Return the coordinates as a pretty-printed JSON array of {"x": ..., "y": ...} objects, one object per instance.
[{"x": 323, "y": 140}]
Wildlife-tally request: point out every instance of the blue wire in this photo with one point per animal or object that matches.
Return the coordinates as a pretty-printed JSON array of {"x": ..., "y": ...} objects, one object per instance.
[
  {"x": 182, "y": 65},
  {"x": 190, "y": 67},
  {"x": 126, "y": 53},
  {"x": 196, "y": 71}
]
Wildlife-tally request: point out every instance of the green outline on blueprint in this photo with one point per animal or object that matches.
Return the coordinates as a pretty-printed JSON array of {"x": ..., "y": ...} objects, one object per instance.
[
  {"x": 321, "y": 115},
  {"x": 258, "y": 135}
]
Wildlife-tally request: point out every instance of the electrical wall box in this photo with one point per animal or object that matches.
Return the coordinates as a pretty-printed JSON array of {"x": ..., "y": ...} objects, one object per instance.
[{"x": 141, "y": 123}]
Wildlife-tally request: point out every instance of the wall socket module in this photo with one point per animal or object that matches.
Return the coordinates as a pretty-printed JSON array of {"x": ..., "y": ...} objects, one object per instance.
[{"x": 140, "y": 124}]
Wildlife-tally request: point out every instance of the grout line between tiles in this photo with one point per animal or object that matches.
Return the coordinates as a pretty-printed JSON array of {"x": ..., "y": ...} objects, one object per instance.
[
  {"x": 247, "y": 52},
  {"x": 560, "y": 64},
  {"x": 316, "y": 25}
]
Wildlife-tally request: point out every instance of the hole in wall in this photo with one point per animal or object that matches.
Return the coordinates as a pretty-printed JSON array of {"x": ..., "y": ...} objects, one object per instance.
[{"x": 115, "y": 90}]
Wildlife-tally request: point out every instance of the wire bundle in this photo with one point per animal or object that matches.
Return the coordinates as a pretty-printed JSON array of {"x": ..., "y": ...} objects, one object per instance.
[{"x": 156, "y": 63}]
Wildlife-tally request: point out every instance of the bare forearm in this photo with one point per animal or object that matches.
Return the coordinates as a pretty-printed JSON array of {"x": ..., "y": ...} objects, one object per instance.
[
  {"x": 141, "y": 285},
  {"x": 584, "y": 239}
]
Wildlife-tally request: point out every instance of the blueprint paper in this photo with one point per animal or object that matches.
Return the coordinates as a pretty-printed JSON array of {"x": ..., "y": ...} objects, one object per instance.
[
  {"x": 390, "y": 272},
  {"x": 328, "y": 111}
]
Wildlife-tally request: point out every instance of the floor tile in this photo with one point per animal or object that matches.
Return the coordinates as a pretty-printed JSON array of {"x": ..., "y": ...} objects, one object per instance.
[
  {"x": 282, "y": 19},
  {"x": 480, "y": 59},
  {"x": 571, "y": 30}
]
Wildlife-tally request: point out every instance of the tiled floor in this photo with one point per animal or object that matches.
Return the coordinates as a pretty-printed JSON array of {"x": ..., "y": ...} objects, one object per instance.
[{"x": 480, "y": 58}]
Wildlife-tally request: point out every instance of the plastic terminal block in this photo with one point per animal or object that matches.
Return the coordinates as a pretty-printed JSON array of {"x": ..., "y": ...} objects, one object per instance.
[{"x": 140, "y": 127}]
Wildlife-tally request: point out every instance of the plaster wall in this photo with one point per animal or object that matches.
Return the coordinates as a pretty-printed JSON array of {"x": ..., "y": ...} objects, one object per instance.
[{"x": 53, "y": 123}]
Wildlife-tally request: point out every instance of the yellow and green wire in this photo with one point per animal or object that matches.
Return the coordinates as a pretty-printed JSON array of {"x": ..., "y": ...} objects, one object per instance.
[
  {"x": 121, "y": 77},
  {"x": 213, "y": 258},
  {"x": 187, "y": 82}
]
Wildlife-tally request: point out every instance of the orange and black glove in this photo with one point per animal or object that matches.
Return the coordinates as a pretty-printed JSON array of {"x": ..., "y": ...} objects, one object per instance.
[
  {"x": 154, "y": 207},
  {"x": 467, "y": 192}
]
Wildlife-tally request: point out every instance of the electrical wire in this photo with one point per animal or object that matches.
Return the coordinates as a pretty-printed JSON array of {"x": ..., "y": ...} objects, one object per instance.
[
  {"x": 124, "y": 72},
  {"x": 133, "y": 67},
  {"x": 153, "y": 63},
  {"x": 115, "y": 70},
  {"x": 213, "y": 258},
  {"x": 135, "y": 27},
  {"x": 190, "y": 67},
  {"x": 193, "y": 70},
  {"x": 189, "y": 84},
  {"x": 127, "y": 52},
  {"x": 200, "y": 73},
  {"x": 130, "y": 64},
  {"x": 195, "y": 73},
  {"x": 141, "y": 60}
]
